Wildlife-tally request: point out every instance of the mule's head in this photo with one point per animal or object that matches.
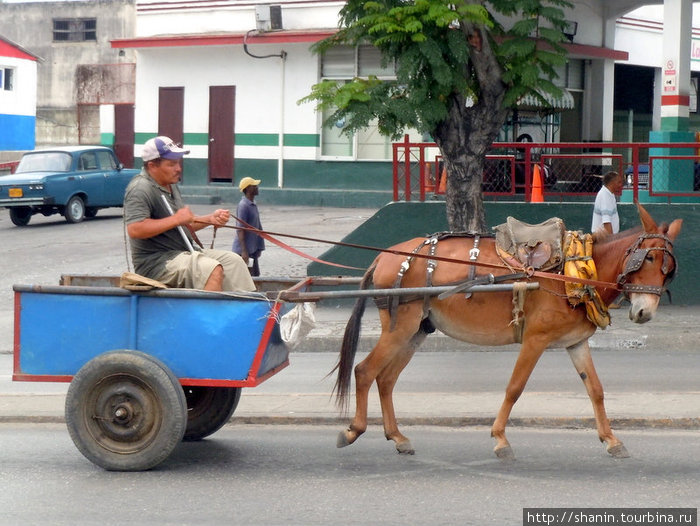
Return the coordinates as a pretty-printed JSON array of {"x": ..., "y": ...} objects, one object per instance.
[{"x": 649, "y": 266}]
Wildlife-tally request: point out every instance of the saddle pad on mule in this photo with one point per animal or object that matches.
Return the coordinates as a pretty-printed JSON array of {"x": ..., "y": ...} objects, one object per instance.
[{"x": 537, "y": 246}]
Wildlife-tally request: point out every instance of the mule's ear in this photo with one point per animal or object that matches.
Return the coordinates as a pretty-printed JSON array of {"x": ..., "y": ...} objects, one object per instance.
[
  {"x": 647, "y": 222},
  {"x": 674, "y": 228}
]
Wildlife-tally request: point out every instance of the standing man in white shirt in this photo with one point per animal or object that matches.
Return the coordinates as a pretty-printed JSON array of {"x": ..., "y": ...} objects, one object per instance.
[{"x": 605, "y": 207}]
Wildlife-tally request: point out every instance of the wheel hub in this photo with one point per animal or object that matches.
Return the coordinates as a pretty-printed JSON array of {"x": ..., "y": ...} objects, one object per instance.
[{"x": 125, "y": 414}]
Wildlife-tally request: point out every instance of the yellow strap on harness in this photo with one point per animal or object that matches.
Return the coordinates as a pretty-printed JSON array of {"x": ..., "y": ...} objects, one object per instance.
[{"x": 578, "y": 262}]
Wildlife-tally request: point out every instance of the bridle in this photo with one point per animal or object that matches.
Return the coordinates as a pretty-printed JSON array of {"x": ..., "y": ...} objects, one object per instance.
[{"x": 635, "y": 256}]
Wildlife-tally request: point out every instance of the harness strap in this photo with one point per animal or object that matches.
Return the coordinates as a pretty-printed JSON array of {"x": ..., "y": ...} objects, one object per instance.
[
  {"x": 518, "y": 321},
  {"x": 429, "y": 274},
  {"x": 194, "y": 236},
  {"x": 473, "y": 256},
  {"x": 399, "y": 277}
]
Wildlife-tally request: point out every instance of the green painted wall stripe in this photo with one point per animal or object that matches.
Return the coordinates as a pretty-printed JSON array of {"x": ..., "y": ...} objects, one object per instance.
[
  {"x": 107, "y": 139},
  {"x": 305, "y": 140},
  {"x": 256, "y": 139},
  {"x": 196, "y": 139},
  {"x": 141, "y": 137},
  {"x": 674, "y": 123},
  {"x": 302, "y": 139}
]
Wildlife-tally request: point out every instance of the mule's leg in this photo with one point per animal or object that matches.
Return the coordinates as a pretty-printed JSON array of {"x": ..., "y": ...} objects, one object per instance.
[
  {"x": 383, "y": 353},
  {"x": 385, "y": 383},
  {"x": 581, "y": 356},
  {"x": 527, "y": 359}
]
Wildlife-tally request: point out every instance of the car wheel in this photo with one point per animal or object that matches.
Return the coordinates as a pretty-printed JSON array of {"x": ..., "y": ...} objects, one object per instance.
[
  {"x": 75, "y": 210},
  {"x": 20, "y": 215}
]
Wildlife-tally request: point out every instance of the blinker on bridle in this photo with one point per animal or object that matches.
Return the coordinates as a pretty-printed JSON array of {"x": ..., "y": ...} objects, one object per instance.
[{"x": 636, "y": 255}]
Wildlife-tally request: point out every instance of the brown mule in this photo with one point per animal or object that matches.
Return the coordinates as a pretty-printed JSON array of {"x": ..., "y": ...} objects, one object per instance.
[{"x": 640, "y": 261}]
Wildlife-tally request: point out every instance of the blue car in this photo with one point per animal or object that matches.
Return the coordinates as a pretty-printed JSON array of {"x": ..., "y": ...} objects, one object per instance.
[{"x": 73, "y": 181}]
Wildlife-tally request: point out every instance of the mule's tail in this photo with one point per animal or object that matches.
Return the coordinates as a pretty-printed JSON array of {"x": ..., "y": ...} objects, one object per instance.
[{"x": 349, "y": 346}]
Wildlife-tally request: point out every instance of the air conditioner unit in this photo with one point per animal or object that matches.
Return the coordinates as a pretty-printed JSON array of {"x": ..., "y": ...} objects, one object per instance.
[{"x": 268, "y": 17}]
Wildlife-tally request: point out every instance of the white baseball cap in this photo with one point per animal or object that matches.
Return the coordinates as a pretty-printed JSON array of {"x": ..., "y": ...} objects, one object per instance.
[{"x": 162, "y": 148}]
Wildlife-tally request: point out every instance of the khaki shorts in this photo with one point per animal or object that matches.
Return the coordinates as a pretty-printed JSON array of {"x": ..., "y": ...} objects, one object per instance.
[{"x": 192, "y": 270}]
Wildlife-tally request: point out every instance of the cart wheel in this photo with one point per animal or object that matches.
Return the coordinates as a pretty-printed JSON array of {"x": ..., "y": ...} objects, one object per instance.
[
  {"x": 208, "y": 409},
  {"x": 125, "y": 411}
]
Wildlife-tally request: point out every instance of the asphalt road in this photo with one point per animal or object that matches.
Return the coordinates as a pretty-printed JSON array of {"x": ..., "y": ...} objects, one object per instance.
[{"x": 286, "y": 475}]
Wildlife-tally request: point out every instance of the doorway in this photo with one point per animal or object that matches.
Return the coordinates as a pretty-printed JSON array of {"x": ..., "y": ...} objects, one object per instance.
[
  {"x": 222, "y": 103},
  {"x": 124, "y": 134}
]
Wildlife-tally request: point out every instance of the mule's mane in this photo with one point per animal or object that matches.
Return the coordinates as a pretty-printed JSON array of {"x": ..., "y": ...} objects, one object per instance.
[
  {"x": 613, "y": 246},
  {"x": 601, "y": 237}
]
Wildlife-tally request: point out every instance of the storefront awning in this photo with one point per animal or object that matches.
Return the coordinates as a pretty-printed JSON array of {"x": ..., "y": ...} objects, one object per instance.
[{"x": 565, "y": 101}]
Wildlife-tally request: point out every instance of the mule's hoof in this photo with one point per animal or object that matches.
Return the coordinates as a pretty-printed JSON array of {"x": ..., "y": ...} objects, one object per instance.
[
  {"x": 505, "y": 453},
  {"x": 405, "y": 448},
  {"x": 618, "y": 451},
  {"x": 342, "y": 440}
]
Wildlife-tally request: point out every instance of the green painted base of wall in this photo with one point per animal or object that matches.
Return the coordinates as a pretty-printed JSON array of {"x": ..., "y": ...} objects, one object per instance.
[
  {"x": 627, "y": 196},
  {"x": 336, "y": 175},
  {"x": 230, "y": 195},
  {"x": 398, "y": 222},
  {"x": 674, "y": 124}
]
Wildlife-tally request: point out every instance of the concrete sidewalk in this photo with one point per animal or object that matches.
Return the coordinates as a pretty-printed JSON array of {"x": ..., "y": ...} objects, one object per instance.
[{"x": 649, "y": 372}]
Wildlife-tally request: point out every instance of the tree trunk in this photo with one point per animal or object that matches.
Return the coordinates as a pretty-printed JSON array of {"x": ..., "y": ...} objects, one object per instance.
[{"x": 466, "y": 134}]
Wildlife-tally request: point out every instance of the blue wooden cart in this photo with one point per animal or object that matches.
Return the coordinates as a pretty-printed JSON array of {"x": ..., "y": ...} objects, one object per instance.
[{"x": 147, "y": 369}]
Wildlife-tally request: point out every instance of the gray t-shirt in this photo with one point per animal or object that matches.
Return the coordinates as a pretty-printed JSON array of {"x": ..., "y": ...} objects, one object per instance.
[{"x": 143, "y": 200}]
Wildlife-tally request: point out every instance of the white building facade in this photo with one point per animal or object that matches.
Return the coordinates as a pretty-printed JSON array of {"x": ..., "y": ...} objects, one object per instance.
[{"x": 205, "y": 71}]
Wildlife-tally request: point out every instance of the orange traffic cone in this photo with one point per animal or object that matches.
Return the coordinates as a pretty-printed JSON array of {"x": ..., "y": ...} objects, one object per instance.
[
  {"x": 537, "y": 185},
  {"x": 442, "y": 187}
]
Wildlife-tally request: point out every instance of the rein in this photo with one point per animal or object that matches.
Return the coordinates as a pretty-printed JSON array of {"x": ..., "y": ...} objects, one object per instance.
[{"x": 529, "y": 272}]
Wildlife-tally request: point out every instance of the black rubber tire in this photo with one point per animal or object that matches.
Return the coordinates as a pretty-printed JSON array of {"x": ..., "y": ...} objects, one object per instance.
[
  {"x": 74, "y": 211},
  {"x": 208, "y": 409},
  {"x": 20, "y": 215},
  {"x": 125, "y": 411}
]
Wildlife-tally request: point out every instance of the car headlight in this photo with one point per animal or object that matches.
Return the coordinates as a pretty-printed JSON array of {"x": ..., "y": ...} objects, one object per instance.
[{"x": 36, "y": 186}]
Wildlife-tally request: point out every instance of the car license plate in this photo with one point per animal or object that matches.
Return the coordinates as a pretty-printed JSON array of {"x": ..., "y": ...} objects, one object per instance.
[{"x": 15, "y": 192}]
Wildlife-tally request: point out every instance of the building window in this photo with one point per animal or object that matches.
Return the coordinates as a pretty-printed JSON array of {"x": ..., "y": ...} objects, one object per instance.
[
  {"x": 343, "y": 63},
  {"x": 74, "y": 29},
  {"x": 7, "y": 79}
]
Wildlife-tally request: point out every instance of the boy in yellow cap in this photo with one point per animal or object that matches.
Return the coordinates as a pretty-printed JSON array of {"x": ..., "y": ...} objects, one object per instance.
[{"x": 247, "y": 244}]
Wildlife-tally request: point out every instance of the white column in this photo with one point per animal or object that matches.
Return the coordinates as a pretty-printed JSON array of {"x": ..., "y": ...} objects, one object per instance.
[
  {"x": 608, "y": 82},
  {"x": 678, "y": 25}
]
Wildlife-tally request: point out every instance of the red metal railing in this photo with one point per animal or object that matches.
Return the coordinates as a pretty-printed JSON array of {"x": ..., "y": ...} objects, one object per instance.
[{"x": 568, "y": 169}]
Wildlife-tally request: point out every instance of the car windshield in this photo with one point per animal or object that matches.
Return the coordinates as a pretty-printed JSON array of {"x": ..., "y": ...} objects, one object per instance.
[{"x": 44, "y": 162}]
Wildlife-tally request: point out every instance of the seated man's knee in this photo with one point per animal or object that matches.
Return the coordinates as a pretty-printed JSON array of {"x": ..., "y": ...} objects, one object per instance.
[{"x": 216, "y": 279}]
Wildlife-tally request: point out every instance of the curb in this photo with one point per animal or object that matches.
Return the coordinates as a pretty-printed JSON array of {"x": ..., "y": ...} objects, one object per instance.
[{"x": 686, "y": 424}]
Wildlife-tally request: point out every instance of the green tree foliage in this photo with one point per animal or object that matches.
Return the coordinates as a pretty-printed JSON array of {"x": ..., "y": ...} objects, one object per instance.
[{"x": 460, "y": 65}]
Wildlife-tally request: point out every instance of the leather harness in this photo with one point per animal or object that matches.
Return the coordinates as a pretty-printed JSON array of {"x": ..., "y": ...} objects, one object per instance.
[
  {"x": 635, "y": 258},
  {"x": 636, "y": 255}
]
